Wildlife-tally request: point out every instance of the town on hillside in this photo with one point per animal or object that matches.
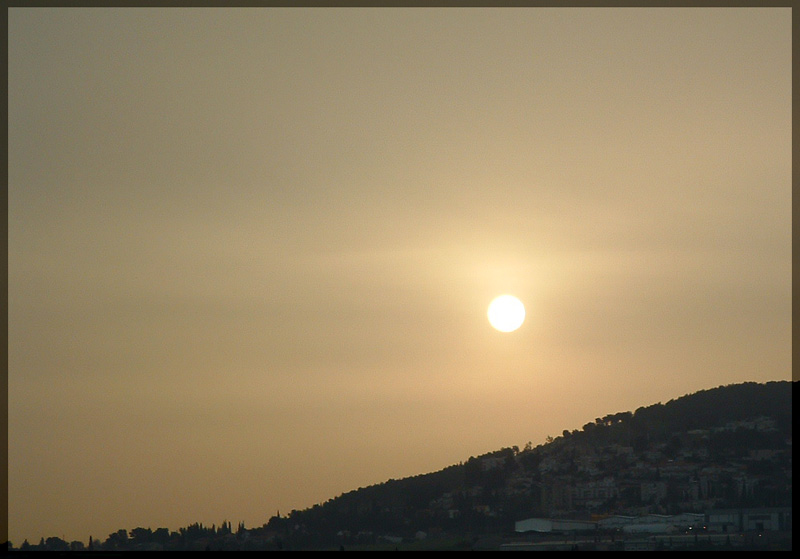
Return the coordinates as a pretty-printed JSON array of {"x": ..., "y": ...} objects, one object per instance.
[{"x": 625, "y": 481}]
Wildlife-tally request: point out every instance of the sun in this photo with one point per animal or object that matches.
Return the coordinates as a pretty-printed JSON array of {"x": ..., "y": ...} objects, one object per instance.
[{"x": 506, "y": 313}]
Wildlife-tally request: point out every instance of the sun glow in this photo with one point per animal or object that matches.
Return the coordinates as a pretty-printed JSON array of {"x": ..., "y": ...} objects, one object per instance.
[{"x": 506, "y": 313}]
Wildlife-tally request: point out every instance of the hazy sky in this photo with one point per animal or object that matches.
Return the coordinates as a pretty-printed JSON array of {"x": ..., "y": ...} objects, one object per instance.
[{"x": 250, "y": 251}]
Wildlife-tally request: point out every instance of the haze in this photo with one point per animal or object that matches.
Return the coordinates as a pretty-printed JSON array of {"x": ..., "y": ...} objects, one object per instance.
[{"x": 250, "y": 251}]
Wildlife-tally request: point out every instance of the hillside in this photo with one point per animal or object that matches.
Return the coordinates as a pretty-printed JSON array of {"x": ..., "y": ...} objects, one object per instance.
[
  {"x": 725, "y": 447},
  {"x": 712, "y": 430}
]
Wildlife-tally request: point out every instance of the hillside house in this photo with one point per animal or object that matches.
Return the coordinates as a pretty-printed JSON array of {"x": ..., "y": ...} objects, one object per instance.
[{"x": 551, "y": 525}]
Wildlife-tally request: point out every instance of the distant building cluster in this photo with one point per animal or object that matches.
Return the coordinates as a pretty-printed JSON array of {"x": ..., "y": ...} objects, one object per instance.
[
  {"x": 618, "y": 484},
  {"x": 715, "y": 521}
]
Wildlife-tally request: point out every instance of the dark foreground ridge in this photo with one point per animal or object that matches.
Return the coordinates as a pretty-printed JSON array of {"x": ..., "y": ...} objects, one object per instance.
[{"x": 710, "y": 470}]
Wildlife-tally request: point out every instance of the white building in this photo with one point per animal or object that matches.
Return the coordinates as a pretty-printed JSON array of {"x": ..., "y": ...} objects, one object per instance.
[
  {"x": 652, "y": 528},
  {"x": 548, "y": 525},
  {"x": 615, "y": 522}
]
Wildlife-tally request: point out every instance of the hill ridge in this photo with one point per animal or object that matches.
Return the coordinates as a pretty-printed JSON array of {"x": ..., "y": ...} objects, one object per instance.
[{"x": 724, "y": 446}]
